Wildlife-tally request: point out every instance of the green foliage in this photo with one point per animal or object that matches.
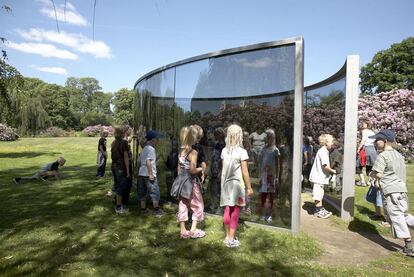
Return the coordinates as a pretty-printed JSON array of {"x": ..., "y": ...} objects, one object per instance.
[
  {"x": 124, "y": 106},
  {"x": 390, "y": 68},
  {"x": 10, "y": 82},
  {"x": 94, "y": 118}
]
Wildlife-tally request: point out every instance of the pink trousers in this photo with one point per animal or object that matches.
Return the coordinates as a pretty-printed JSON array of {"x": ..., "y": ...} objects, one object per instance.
[{"x": 195, "y": 204}]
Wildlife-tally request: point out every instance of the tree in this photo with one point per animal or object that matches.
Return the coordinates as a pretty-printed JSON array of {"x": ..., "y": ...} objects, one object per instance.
[
  {"x": 10, "y": 82},
  {"x": 124, "y": 106},
  {"x": 390, "y": 68}
]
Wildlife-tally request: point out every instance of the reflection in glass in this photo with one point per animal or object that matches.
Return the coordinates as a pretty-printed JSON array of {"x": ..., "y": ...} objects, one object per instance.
[
  {"x": 325, "y": 114},
  {"x": 253, "y": 89}
]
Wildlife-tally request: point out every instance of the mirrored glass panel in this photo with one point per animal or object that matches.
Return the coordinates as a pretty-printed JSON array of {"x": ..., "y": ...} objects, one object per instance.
[
  {"x": 325, "y": 114},
  {"x": 253, "y": 89}
]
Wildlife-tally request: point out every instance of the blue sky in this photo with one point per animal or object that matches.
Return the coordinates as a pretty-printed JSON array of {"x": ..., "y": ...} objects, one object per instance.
[{"x": 132, "y": 38}]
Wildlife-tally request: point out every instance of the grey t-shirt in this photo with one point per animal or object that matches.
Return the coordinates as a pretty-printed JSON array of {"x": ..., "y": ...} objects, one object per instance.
[
  {"x": 148, "y": 153},
  {"x": 392, "y": 165}
]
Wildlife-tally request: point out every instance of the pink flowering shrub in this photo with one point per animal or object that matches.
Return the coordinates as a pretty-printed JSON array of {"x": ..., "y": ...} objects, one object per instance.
[
  {"x": 394, "y": 110},
  {"x": 54, "y": 132},
  {"x": 93, "y": 131},
  {"x": 7, "y": 133}
]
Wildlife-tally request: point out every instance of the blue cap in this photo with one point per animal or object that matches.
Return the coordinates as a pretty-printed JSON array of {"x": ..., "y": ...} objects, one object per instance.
[
  {"x": 384, "y": 134},
  {"x": 152, "y": 135}
]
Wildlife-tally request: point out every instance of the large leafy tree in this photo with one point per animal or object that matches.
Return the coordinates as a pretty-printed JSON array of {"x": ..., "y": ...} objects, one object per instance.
[
  {"x": 10, "y": 83},
  {"x": 124, "y": 106},
  {"x": 390, "y": 68}
]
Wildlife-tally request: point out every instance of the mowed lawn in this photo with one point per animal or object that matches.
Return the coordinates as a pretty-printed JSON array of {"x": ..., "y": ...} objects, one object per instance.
[{"x": 69, "y": 227}]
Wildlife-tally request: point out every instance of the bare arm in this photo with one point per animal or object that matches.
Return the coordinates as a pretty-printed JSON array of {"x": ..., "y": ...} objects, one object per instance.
[
  {"x": 363, "y": 139},
  {"x": 246, "y": 177},
  {"x": 149, "y": 170},
  {"x": 193, "y": 163},
  {"x": 126, "y": 161},
  {"x": 328, "y": 169}
]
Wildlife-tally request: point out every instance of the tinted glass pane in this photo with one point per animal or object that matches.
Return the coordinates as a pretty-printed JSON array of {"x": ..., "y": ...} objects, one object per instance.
[
  {"x": 252, "y": 89},
  {"x": 325, "y": 114}
]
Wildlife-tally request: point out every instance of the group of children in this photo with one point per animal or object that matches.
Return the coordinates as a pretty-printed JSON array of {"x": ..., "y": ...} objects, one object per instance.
[{"x": 388, "y": 175}]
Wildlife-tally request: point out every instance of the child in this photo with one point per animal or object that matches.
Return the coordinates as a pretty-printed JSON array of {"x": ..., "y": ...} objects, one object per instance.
[
  {"x": 51, "y": 169},
  {"x": 248, "y": 147},
  {"x": 366, "y": 152},
  {"x": 389, "y": 171},
  {"x": 128, "y": 139},
  {"x": 120, "y": 167},
  {"x": 215, "y": 169},
  {"x": 187, "y": 166},
  {"x": 102, "y": 155},
  {"x": 147, "y": 175},
  {"x": 269, "y": 170},
  {"x": 335, "y": 162},
  {"x": 320, "y": 174},
  {"x": 234, "y": 178}
]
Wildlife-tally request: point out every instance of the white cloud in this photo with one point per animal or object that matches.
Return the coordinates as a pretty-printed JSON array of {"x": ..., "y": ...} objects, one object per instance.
[
  {"x": 259, "y": 63},
  {"x": 45, "y": 50},
  {"x": 55, "y": 70},
  {"x": 70, "y": 16},
  {"x": 78, "y": 42}
]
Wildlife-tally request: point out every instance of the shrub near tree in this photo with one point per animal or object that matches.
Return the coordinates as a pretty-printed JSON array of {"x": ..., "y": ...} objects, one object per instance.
[
  {"x": 392, "y": 109},
  {"x": 7, "y": 133}
]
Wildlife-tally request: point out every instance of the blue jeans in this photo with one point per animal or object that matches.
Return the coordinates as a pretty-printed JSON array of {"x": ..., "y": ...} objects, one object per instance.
[
  {"x": 146, "y": 188},
  {"x": 120, "y": 181}
]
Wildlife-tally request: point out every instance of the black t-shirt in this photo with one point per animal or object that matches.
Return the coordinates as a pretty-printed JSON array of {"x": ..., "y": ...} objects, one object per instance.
[
  {"x": 102, "y": 141},
  {"x": 55, "y": 166},
  {"x": 118, "y": 147},
  {"x": 201, "y": 157}
]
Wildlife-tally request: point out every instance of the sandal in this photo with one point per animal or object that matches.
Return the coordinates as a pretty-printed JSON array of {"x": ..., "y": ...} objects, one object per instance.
[
  {"x": 197, "y": 234},
  {"x": 186, "y": 235}
]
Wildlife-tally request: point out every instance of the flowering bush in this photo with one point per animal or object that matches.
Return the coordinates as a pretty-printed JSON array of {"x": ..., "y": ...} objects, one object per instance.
[
  {"x": 7, "y": 133},
  {"x": 394, "y": 110},
  {"x": 93, "y": 131},
  {"x": 53, "y": 132}
]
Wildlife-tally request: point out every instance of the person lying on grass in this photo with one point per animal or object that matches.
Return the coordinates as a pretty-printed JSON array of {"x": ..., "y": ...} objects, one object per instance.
[{"x": 51, "y": 169}]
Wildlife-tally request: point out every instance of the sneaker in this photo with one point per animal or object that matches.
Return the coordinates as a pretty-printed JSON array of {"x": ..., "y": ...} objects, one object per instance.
[
  {"x": 186, "y": 235},
  {"x": 408, "y": 251},
  {"x": 384, "y": 224},
  {"x": 144, "y": 211},
  {"x": 158, "y": 213},
  {"x": 322, "y": 213},
  {"x": 263, "y": 218},
  {"x": 269, "y": 219},
  {"x": 198, "y": 234},
  {"x": 109, "y": 194},
  {"x": 125, "y": 208},
  {"x": 247, "y": 211},
  {"x": 233, "y": 243},
  {"x": 120, "y": 210},
  {"x": 17, "y": 180}
]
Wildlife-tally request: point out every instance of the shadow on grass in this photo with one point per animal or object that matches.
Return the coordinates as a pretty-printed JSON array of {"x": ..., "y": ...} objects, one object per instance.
[
  {"x": 69, "y": 227},
  {"x": 27, "y": 154}
]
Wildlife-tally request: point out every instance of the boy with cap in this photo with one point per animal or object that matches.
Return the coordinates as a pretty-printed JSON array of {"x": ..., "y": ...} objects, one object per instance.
[
  {"x": 147, "y": 174},
  {"x": 389, "y": 172}
]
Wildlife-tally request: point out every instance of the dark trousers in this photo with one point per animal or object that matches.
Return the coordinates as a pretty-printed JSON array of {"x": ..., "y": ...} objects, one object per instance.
[
  {"x": 101, "y": 170},
  {"x": 125, "y": 196}
]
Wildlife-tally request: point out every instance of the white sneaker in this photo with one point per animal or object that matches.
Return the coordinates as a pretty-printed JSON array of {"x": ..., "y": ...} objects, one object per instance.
[
  {"x": 263, "y": 218},
  {"x": 233, "y": 243},
  {"x": 323, "y": 213},
  {"x": 269, "y": 219}
]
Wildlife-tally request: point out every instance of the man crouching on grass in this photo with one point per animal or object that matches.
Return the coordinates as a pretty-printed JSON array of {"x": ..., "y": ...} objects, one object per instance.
[{"x": 51, "y": 169}]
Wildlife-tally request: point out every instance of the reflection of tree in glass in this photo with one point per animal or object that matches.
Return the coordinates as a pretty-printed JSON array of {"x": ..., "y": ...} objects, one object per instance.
[{"x": 325, "y": 114}]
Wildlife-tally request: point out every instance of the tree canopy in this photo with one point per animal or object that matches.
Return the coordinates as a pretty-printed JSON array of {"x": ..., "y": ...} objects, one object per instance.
[{"x": 390, "y": 68}]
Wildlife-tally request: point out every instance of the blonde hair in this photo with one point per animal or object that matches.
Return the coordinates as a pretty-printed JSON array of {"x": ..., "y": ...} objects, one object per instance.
[
  {"x": 270, "y": 135},
  {"x": 324, "y": 138},
  {"x": 199, "y": 131},
  {"x": 234, "y": 136},
  {"x": 187, "y": 136}
]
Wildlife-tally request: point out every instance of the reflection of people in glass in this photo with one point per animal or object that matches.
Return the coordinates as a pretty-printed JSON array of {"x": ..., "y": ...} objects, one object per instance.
[
  {"x": 248, "y": 147},
  {"x": 257, "y": 141},
  {"x": 307, "y": 158},
  {"x": 234, "y": 179},
  {"x": 320, "y": 174},
  {"x": 215, "y": 168},
  {"x": 201, "y": 157},
  {"x": 187, "y": 165},
  {"x": 366, "y": 152},
  {"x": 269, "y": 174},
  {"x": 171, "y": 163},
  {"x": 335, "y": 159}
]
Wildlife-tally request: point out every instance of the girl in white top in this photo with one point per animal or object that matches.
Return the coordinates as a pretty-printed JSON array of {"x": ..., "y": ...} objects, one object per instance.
[
  {"x": 234, "y": 179},
  {"x": 366, "y": 144}
]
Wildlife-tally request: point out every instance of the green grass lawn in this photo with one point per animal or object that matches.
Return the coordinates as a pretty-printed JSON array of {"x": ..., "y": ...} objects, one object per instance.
[{"x": 69, "y": 227}]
